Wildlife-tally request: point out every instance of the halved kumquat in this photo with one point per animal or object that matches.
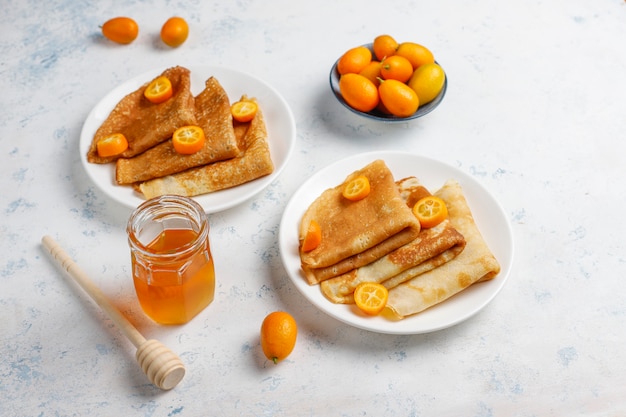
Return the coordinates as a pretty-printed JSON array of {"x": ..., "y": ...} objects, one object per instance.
[
  {"x": 188, "y": 139},
  {"x": 371, "y": 297},
  {"x": 313, "y": 237},
  {"x": 430, "y": 211},
  {"x": 243, "y": 111},
  {"x": 159, "y": 90},
  {"x": 112, "y": 145},
  {"x": 357, "y": 188}
]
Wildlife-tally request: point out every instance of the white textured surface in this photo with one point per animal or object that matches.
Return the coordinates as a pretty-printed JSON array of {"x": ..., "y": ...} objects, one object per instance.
[{"x": 535, "y": 110}]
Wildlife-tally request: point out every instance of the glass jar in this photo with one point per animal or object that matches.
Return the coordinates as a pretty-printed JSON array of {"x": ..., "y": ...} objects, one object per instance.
[{"x": 172, "y": 265}]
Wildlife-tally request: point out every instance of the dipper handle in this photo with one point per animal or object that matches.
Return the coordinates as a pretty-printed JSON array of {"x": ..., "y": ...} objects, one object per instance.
[{"x": 162, "y": 366}]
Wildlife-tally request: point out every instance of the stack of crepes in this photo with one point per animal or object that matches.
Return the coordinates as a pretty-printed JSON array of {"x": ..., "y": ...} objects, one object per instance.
[
  {"x": 379, "y": 239},
  {"x": 233, "y": 153}
]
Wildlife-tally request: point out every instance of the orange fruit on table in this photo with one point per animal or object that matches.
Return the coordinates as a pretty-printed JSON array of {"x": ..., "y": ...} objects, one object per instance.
[
  {"x": 122, "y": 30},
  {"x": 384, "y": 46},
  {"x": 244, "y": 110},
  {"x": 357, "y": 188},
  {"x": 354, "y": 60},
  {"x": 430, "y": 211},
  {"x": 371, "y": 297},
  {"x": 415, "y": 53},
  {"x": 396, "y": 67},
  {"x": 174, "y": 31},
  {"x": 372, "y": 72},
  {"x": 188, "y": 139},
  {"x": 278, "y": 335},
  {"x": 159, "y": 90},
  {"x": 112, "y": 145},
  {"x": 359, "y": 92},
  {"x": 427, "y": 81},
  {"x": 398, "y": 98},
  {"x": 313, "y": 237}
]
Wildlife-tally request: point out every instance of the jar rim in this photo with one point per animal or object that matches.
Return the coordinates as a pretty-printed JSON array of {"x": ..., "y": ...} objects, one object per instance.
[{"x": 161, "y": 207}]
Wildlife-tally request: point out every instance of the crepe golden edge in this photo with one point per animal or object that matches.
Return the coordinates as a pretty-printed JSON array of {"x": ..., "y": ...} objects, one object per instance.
[
  {"x": 213, "y": 115},
  {"x": 142, "y": 122},
  {"x": 253, "y": 162},
  {"x": 431, "y": 248},
  {"x": 356, "y": 233},
  {"x": 476, "y": 263}
]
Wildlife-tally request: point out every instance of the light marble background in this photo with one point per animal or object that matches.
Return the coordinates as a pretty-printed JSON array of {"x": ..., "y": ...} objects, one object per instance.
[{"x": 535, "y": 110}]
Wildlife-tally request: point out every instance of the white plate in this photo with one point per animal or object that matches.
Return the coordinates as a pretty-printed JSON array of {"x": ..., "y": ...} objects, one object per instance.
[
  {"x": 281, "y": 130},
  {"x": 488, "y": 214}
]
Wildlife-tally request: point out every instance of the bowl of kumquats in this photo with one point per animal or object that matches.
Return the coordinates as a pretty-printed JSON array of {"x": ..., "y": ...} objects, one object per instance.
[{"x": 389, "y": 81}]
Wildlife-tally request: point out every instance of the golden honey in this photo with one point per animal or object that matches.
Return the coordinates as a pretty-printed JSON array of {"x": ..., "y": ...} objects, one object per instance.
[{"x": 172, "y": 265}]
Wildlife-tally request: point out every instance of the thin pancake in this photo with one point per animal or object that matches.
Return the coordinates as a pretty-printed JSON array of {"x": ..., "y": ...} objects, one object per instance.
[
  {"x": 254, "y": 162},
  {"x": 431, "y": 248},
  {"x": 212, "y": 110},
  {"x": 146, "y": 124},
  {"x": 355, "y": 233},
  {"x": 476, "y": 262}
]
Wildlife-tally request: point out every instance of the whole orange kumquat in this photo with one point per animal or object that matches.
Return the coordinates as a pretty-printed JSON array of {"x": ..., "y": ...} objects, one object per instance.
[
  {"x": 398, "y": 98},
  {"x": 354, "y": 60},
  {"x": 359, "y": 92}
]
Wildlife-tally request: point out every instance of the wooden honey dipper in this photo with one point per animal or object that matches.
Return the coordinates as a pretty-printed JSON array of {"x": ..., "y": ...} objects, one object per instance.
[{"x": 162, "y": 366}]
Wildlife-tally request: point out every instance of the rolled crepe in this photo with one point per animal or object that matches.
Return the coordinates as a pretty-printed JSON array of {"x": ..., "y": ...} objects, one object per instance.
[
  {"x": 356, "y": 233},
  {"x": 253, "y": 162},
  {"x": 476, "y": 262},
  {"x": 145, "y": 124},
  {"x": 212, "y": 110},
  {"x": 432, "y": 248}
]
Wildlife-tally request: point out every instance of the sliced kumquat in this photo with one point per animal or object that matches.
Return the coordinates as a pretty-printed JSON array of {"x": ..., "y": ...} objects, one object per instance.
[
  {"x": 357, "y": 188},
  {"x": 159, "y": 90},
  {"x": 188, "y": 139},
  {"x": 243, "y": 111},
  {"x": 430, "y": 211},
  {"x": 313, "y": 237},
  {"x": 112, "y": 145},
  {"x": 371, "y": 297}
]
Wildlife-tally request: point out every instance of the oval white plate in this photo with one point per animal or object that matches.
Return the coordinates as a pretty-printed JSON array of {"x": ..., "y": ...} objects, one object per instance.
[
  {"x": 488, "y": 214},
  {"x": 281, "y": 130}
]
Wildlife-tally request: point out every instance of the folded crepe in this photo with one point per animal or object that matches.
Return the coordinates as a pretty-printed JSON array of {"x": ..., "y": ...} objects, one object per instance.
[
  {"x": 431, "y": 248},
  {"x": 212, "y": 112},
  {"x": 356, "y": 233},
  {"x": 145, "y": 124},
  {"x": 254, "y": 161},
  {"x": 476, "y": 262}
]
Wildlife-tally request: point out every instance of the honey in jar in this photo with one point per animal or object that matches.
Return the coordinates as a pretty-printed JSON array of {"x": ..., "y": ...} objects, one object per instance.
[{"x": 172, "y": 265}]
